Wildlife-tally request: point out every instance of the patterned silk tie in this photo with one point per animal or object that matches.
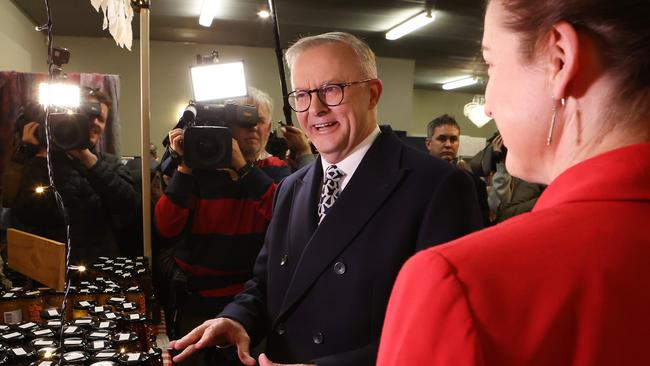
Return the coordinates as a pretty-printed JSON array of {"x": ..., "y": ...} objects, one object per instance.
[{"x": 330, "y": 191}]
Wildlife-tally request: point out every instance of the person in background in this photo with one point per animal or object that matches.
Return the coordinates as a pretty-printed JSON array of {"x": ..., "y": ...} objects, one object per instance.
[
  {"x": 565, "y": 284},
  {"x": 443, "y": 142},
  {"x": 97, "y": 190},
  {"x": 217, "y": 221}
]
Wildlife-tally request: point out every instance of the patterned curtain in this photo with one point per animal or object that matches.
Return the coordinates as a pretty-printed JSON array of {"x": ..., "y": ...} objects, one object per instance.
[{"x": 17, "y": 88}]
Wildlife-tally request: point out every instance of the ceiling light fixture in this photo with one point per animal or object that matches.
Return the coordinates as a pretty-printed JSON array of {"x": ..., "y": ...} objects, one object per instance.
[
  {"x": 411, "y": 24},
  {"x": 465, "y": 81},
  {"x": 417, "y": 21},
  {"x": 475, "y": 111},
  {"x": 207, "y": 12},
  {"x": 263, "y": 14}
]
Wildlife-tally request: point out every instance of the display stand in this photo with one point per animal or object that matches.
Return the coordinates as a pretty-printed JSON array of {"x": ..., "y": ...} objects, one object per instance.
[{"x": 37, "y": 257}]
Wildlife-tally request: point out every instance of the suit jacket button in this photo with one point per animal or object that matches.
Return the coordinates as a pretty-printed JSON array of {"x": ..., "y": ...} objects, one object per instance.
[
  {"x": 318, "y": 338},
  {"x": 339, "y": 268},
  {"x": 281, "y": 329},
  {"x": 284, "y": 260}
]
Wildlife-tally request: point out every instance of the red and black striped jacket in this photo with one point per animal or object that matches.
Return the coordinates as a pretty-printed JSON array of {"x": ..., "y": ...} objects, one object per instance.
[{"x": 220, "y": 224}]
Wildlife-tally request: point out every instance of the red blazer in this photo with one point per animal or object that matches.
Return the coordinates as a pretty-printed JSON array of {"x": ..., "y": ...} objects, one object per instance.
[{"x": 567, "y": 284}]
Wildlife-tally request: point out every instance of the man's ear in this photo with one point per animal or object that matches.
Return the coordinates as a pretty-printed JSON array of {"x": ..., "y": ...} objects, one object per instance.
[
  {"x": 563, "y": 49},
  {"x": 427, "y": 142},
  {"x": 376, "y": 88}
]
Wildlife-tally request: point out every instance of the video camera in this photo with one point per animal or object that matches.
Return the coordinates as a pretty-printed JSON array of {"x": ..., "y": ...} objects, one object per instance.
[
  {"x": 69, "y": 128},
  {"x": 207, "y": 141}
]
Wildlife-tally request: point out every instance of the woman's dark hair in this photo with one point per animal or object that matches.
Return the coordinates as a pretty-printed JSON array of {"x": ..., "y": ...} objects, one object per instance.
[{"x": 621, "y": 30}]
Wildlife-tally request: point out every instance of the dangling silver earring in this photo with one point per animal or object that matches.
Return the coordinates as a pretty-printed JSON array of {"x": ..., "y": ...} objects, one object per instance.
[{"x": 549, "y": 138}]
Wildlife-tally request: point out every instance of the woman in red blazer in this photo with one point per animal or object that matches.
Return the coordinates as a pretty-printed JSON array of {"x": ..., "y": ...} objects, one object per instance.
[{"x": 569, "y": 282}]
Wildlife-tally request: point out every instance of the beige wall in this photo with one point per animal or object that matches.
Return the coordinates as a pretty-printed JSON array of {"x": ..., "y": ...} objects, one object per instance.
[
  {"x": 22, "y": 48},
  {"x": 429, "y": 104}
]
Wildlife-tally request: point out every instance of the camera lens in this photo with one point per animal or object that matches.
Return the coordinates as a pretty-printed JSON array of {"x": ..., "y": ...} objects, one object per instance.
[{"x": 208, "y": 147}]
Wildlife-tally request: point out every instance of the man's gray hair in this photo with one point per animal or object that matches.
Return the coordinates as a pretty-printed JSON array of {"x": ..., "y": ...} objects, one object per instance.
[
  {"x": 257, "y": 98},
  {"x": 364, "y": 54}
]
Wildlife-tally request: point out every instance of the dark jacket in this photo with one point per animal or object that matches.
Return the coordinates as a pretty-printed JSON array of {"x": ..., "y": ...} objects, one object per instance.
[
  {"x": 320, "y": 291},
  {"x": 97, "y": 200}
]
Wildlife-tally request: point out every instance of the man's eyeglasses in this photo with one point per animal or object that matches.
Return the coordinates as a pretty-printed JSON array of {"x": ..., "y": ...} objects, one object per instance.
[{"x": 329, "y": 94}]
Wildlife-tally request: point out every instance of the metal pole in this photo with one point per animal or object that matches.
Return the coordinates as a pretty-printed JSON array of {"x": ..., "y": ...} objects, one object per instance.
[
  {"x": 144, "y": 124},
  {"x": 278, "y": 54}
]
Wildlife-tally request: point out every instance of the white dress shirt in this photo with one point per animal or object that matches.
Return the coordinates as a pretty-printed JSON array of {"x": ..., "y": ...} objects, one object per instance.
[{"x": 350, "y": 164}]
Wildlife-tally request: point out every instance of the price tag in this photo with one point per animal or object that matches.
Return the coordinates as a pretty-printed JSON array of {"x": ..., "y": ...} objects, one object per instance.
[
  {"x": 42, "y": 331},
  {"x": 70, "y": 329},
  {"x": 134, "y": 316},
  {"x": 83, "y": 321},
  {"x": 105, "y": 354},
  {"x": 133, "y": 357},
  {"x": 110, "y": 315},
  {"x": 128, "y": 305},
  {"x": 116, "y": 299},
  {"x": 12, "y": 335},
  {"x": 123, "y": 336},
  {"x": 53, "y": 312},
  {"x": 19, "y": 351},
  {"x": 99, "y": 309},
  {"x": 98, "y": 344},
  {"x": 84, "y": 303},
  {"x": 104, "y": 324},
  {"x": 27, "y": 325},
  {"x": 43, "y": 343}
]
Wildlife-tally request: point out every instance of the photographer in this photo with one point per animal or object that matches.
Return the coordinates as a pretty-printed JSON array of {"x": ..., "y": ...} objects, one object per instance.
[
  {"x": 96, "y": 189},
  {"x": 219, "y": 218}
]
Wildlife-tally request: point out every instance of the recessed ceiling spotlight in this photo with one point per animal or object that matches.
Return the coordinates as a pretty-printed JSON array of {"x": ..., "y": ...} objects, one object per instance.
[{"x": 263, "y": 14}]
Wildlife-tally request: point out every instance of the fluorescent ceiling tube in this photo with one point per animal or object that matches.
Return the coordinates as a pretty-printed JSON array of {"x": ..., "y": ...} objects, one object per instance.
[
  {"x": 207, "y": 12},
  {"x": 460, "y": 83},
  {"x": 411, "y": 24}
]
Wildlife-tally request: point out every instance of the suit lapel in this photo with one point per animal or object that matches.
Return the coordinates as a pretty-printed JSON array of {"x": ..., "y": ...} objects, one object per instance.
[
  {"x": 376, "y": 177},
  {"x": 303, "y": 209}
]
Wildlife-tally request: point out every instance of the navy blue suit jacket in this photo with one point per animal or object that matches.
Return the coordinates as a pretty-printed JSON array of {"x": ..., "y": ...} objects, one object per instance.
[{"x": 319, "y": 292}]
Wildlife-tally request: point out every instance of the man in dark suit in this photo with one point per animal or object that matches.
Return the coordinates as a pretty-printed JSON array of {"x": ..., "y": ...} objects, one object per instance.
[{"x": 342, "y": 226}]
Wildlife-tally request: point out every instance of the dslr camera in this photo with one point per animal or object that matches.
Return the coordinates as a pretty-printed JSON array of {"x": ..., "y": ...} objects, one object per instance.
[
  {"x": 69, "y": 129},
  {"x": 207, "y": 141}
]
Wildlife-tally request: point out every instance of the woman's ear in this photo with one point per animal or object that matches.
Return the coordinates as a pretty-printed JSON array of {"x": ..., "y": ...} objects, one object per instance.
[{"x": 563, "y": 49}]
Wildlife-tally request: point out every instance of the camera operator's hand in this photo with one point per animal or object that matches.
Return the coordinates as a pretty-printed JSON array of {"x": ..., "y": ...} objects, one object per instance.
[
  {"x": 176, "y": 144},
  {"x": 238, "y": 161},
  {"x": 87, "y": 158},
  {"x": 29, "y": 133},
  {"x": 220, "y": 332},
  {"x": 297, "y": 140},
  {"x": 497, "y": 144}
]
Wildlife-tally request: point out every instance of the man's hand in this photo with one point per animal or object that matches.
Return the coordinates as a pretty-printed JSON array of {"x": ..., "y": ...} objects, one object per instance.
[
  {"x": 497, "y": 144},
  {"x": 87, "y": 158},
  {"x": 29, "y": 133},
  {"x": 215, "y": 332},
  {"x": 176, "y": 144},
  {"x": 176, "y": 140},
  {"x": 297, "y": 140},
  {"x": 264, "y": 361},
  {"x": 238, "y": 161}
]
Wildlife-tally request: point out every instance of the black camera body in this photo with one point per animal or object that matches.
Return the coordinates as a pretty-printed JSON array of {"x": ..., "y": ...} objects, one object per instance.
[
  {"x": 207, "y": 141},
  {"x": 69, "y": 130}
]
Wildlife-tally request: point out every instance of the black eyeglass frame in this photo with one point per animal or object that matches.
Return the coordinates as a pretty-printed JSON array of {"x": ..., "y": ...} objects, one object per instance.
[{"x": 318, "y": 93}]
